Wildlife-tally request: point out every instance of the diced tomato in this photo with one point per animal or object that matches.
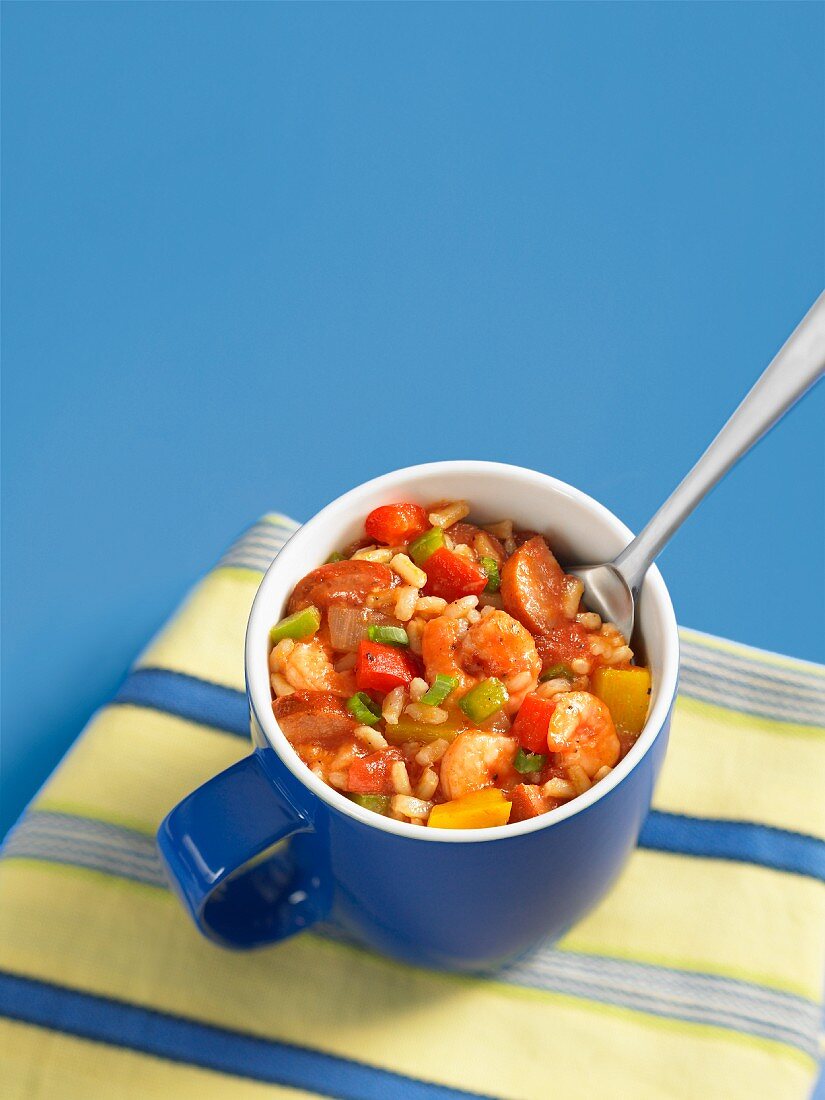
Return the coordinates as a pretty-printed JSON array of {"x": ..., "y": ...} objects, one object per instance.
[
  {"x": 528, "y": 801},
  {"x": 371, "y": 774},
  {"x": 396, "y": 524},
  {"x": 383, "y": 667},
  {"x": 532, "y": 720},
  {"x": 451, "y": 576}
]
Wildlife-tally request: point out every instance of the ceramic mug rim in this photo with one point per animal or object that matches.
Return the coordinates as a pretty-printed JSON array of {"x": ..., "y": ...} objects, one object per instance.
[{"x": 257, "y": 673}]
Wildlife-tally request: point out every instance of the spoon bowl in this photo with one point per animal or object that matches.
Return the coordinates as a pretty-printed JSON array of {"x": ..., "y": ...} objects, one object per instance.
[{"x": 607, "y": 593}]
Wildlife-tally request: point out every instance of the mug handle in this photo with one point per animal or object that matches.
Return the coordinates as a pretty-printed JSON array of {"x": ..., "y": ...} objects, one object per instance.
[{"x": 214, "y": 845}]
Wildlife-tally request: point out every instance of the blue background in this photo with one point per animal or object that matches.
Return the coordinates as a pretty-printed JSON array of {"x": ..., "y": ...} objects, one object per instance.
[{"x": 256, "y": 254}]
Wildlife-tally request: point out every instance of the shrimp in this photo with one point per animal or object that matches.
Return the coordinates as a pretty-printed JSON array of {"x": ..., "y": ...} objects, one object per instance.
[
  {"x": 476, "y": 759},
  {"x": 307, "y": 667},
  {"x": 439, "y": 644},
  {"x": 497, "y": 645},
  {"x": 582, "y": 733}
]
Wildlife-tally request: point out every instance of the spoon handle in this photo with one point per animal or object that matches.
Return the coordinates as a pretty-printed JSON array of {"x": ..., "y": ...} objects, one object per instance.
[{"x": 796, "y": 366}]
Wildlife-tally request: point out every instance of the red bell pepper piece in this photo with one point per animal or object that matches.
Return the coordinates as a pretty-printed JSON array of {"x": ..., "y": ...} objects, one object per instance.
[
  {"x": 396, "y": 524},
  {"x": 383, "y": 667},
  {"x": 451, "y": 576},
  {"x": 532, "y": 720},
  {"x": 371, "y": 774}
]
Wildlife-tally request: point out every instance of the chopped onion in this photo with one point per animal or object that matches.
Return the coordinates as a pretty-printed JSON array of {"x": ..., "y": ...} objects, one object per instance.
[
  {"x": 348, "y": 625},
  {"x": 496, "y": 723}
]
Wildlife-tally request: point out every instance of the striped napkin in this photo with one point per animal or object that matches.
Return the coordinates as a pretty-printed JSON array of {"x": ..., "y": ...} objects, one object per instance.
[{"x": 699, "y": 976}]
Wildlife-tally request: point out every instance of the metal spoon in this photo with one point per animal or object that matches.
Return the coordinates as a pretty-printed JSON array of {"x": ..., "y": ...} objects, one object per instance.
[{"x": 612, "y": 589}]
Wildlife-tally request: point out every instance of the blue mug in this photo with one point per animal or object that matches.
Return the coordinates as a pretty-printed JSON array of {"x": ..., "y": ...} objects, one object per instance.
[{"x": 266, "y": 849}]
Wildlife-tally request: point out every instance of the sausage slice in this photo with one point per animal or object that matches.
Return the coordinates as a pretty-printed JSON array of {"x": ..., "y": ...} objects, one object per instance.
[
  {"x": 348, "y": 582},
  {"x": 533, "y": 586},
  {"x": 307, "y": 715}
]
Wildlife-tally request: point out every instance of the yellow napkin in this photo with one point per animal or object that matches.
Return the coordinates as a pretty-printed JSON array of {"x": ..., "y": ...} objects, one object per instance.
[{"x": 699, "y": 976}]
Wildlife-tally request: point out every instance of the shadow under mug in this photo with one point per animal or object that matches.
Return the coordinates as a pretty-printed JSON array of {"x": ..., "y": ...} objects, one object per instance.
[{"x": 266, "y": 849}]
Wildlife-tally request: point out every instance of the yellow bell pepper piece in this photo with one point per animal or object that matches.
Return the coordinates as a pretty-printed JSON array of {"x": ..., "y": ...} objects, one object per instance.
[
  {"x": 477, "y": 810},
  {"x": 407, "y": 730},
  {"x": 626, "y": 692}
]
